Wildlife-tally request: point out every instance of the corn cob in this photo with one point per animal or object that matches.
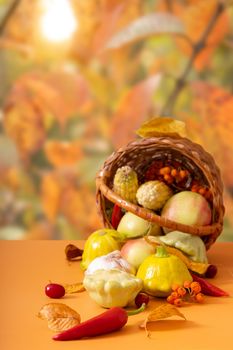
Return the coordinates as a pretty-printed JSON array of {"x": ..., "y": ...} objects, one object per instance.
[
  {"x": 125, "y": 183},
  {"x": 153, "y": 194}
]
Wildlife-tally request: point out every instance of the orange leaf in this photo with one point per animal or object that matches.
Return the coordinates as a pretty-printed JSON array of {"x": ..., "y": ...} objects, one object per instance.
[
  {"x": 81, "y": 211},
  {"x": 18, "y": 29},
  {"x": 133, "y": 110},
  {"x": 196, "y": 15},
  {"x": 99, "y": 19},
  {"x": 24, "y": 125},
  {"x": 60, "y": 94},
  {"x": 50, "y": 195},
  {"x": 62, "y": 154},
  {"x": 215, "y": 108}
]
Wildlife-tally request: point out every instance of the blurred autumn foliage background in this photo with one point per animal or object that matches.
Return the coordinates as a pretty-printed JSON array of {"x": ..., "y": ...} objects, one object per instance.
[{"x": 78, "y": 77}]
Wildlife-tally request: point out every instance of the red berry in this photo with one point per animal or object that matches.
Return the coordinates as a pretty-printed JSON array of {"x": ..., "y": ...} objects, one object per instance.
[
  {"x": 187, "y": 284},
  {"x": 181, "y": 291},
  {"x": 141, "y": 298},
  {"x": 211, "y": 271},
  {"x": 55, "y": 291},
  {"x": 199, "y": 297},
  {"x": 195, "y": 287},
  {"x": 174, "y": 295},
  {"x": 170, "y": 299},
  {"x": 178, "y": 302}
]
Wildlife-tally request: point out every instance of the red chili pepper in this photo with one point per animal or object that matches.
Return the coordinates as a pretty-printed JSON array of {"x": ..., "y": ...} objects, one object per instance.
[
  {"x": 107, "y": 322},
  {"x": 208, "y": 288},
  {"x": 116, "y": 216}
]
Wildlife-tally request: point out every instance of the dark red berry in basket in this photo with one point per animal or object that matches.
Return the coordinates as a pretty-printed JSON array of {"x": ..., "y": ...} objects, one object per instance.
[
  {"x": 141, "y": 298},
  {"x": 55, "y": 291},
  {"x": 211, "y": 271},
  {"x": 152, "y": 173}
]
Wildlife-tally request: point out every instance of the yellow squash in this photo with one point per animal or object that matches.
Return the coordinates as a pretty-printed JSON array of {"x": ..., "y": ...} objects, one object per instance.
[
  {"x": 160, "y": 271},
  {"x": 99, "y": 243}
]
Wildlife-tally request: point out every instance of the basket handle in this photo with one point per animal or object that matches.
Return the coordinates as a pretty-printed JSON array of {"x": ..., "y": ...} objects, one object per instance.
[{"x": 153, "y": 217}]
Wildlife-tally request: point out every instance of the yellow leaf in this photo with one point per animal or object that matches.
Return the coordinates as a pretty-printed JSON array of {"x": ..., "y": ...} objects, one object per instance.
[
  {"x": 74, "y": 288},
  {"x": 161, "y": 312},
  {"x": 162, "y": 127},
  {"x": 59, "y": 316}
]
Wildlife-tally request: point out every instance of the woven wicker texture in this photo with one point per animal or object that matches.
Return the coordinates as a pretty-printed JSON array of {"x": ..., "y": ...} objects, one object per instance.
[{"x": 139, "y": 155}]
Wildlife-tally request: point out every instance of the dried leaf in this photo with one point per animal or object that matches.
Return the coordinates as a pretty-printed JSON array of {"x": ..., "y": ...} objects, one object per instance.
[
  {"x": 156, "y": 23},
  {"x": 59, "y": 316},
  {"x": 74, "y": 288},
  {"x": 72, "y": 252},
  {"x": 160, "y": 313},
  {"x": 161, "y": 127}
]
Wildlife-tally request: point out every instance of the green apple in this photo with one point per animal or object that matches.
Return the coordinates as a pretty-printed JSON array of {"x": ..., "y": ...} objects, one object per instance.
[{"x": 133, "y": 226}]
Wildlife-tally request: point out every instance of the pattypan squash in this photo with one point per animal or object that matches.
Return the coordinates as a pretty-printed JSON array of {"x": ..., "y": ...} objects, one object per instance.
[
  {"x": 110, "y": 288},
  {"x": 100, "y": 242},
  {"x": 110, "y": 261},
  {"x": 191, "y": 245},
  {"x": 162, "y": 270}
]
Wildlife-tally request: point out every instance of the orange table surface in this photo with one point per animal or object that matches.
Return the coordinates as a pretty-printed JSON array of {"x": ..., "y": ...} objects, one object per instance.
[{"x": 27, "y": 266}]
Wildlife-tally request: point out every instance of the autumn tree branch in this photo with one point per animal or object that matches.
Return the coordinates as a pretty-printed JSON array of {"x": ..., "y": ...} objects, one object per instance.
[
  {"x": 197, "y": 47},
  {"x": 8, "y": 15}
]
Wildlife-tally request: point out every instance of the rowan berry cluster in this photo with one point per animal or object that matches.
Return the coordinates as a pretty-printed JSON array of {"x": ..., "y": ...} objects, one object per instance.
[
  {"x": 189, "y": 292},
  {"x": 176, "y": 176}
]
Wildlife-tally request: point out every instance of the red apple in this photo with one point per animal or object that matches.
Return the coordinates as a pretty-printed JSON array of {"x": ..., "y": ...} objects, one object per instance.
[
  {"x": 187, "y": 208},
  {"x": 136, "y": 250}
]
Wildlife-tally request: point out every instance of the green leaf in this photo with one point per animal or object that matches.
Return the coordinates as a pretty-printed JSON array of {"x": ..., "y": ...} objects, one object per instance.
[{"x": 156, "y": 23}]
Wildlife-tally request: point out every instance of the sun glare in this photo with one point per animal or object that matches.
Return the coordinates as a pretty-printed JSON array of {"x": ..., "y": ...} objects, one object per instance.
[{"x": 58, "y": 22}]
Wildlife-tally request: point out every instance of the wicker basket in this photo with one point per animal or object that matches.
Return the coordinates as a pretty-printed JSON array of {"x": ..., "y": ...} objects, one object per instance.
[{"x": 139, "y": 155}]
